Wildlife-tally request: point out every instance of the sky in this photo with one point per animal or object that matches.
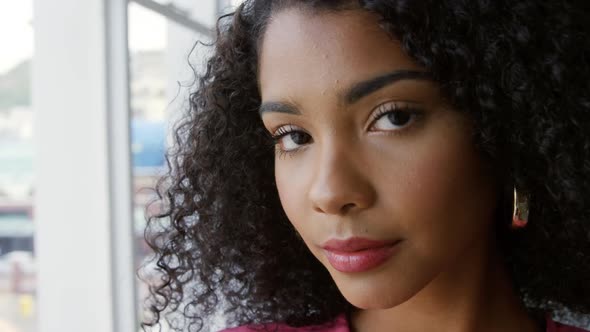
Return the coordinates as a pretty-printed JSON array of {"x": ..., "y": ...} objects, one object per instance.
[
  {"x": 147, "y": 31},
  {"x": 16, "y": 32}
]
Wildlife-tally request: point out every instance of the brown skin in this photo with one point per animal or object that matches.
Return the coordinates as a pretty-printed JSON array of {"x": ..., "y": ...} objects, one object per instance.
[{"x": 354, "y": 172}]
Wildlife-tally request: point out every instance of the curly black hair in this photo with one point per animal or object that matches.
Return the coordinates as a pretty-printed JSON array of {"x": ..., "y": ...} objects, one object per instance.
[{"x": 519, "y": 68}]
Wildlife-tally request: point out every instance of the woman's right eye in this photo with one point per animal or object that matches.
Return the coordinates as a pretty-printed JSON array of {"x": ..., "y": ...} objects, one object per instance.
[{"x": 290, "y": 138}]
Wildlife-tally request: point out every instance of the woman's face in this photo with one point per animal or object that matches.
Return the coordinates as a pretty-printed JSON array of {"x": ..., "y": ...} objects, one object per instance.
[{"x": 368, "y": 148}]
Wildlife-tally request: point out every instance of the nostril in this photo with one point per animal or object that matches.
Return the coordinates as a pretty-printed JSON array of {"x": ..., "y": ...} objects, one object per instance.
[
  {"x": 347, "y": 207},
  {"x": 343, "y": 210}
]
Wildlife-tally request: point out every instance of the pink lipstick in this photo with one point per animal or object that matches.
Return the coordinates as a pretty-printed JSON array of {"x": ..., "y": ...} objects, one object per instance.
[{"x": 358, "y": 254}]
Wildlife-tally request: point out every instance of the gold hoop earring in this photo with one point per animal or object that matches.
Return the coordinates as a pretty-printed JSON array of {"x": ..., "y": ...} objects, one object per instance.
[{"x": 520, "y": 216}]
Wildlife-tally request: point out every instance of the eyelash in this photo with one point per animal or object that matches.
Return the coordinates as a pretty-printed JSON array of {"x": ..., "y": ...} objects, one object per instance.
[
  {"x": 280, "y": 133},
  {"x": 283, "y": 132},
  {"x": 382, "y": 110},
  {"x": 280, "y": 153}
]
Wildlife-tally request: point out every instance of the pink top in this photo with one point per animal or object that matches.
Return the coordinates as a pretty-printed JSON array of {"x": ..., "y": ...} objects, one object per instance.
[{"x": 340, "y": 324}]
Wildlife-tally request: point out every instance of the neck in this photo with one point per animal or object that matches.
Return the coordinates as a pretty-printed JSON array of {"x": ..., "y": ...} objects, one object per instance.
[{"x": 474, "y": 294}]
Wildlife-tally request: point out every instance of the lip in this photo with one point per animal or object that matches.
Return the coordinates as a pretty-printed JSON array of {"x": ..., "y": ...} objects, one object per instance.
[{"x": 358, "y": 254}]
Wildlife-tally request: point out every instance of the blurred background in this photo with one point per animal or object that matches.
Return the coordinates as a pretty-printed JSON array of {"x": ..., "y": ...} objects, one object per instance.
[{"x": 140, "y": 57}]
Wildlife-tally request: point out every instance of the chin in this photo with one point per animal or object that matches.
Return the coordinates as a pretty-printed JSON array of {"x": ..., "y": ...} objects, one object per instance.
[
  {"x": 366, "y": 301},
  {"x": 369, "y": 294}
]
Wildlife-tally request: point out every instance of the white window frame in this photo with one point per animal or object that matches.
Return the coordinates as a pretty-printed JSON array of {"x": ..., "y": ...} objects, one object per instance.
[{"x": 84, "y": 239}]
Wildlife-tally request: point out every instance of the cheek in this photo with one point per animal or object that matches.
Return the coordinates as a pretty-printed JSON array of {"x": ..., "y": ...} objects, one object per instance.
[
  {"x": 290, "y": 182},
  {"x": 445, "y": 199}
]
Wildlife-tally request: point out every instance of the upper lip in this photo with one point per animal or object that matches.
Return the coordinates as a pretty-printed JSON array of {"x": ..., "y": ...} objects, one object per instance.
[{"x": 356, "y": 244}]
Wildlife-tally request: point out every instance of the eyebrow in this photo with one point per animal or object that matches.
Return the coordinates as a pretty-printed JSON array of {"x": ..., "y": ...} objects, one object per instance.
[{"x": 356, "y": 92}]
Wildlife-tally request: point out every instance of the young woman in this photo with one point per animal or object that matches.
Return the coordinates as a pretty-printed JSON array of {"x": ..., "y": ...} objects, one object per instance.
[{"x": 373, "y": 166}]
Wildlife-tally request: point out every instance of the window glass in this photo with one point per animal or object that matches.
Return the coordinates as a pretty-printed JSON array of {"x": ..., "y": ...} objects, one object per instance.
[{"x": 17, "y": 252}]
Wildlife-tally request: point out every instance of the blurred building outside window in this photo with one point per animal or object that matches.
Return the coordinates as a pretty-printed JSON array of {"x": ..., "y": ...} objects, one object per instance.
[{"x": 17, "y": 252}]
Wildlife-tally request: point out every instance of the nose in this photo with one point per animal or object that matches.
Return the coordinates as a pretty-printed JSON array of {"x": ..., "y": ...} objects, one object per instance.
[{"x": 341, "y": 184}]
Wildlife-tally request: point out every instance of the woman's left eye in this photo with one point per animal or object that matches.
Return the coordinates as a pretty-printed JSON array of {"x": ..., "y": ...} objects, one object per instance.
[{"x": 392, "y": 118}]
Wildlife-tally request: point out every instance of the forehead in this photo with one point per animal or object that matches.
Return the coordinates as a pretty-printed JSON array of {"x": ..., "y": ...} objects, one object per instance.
[{"x": 304, "y": 52}]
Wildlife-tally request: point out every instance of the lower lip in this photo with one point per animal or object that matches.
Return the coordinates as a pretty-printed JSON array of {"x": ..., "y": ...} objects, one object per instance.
[{"x": 359, "y": 261}]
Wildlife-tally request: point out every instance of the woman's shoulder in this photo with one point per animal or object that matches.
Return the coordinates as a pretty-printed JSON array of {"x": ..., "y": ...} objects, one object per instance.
[{"x": 340, "y": 324}]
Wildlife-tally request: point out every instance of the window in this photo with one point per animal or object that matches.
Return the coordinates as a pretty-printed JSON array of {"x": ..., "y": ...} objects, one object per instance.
[{"x": 17, "y": 252}]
